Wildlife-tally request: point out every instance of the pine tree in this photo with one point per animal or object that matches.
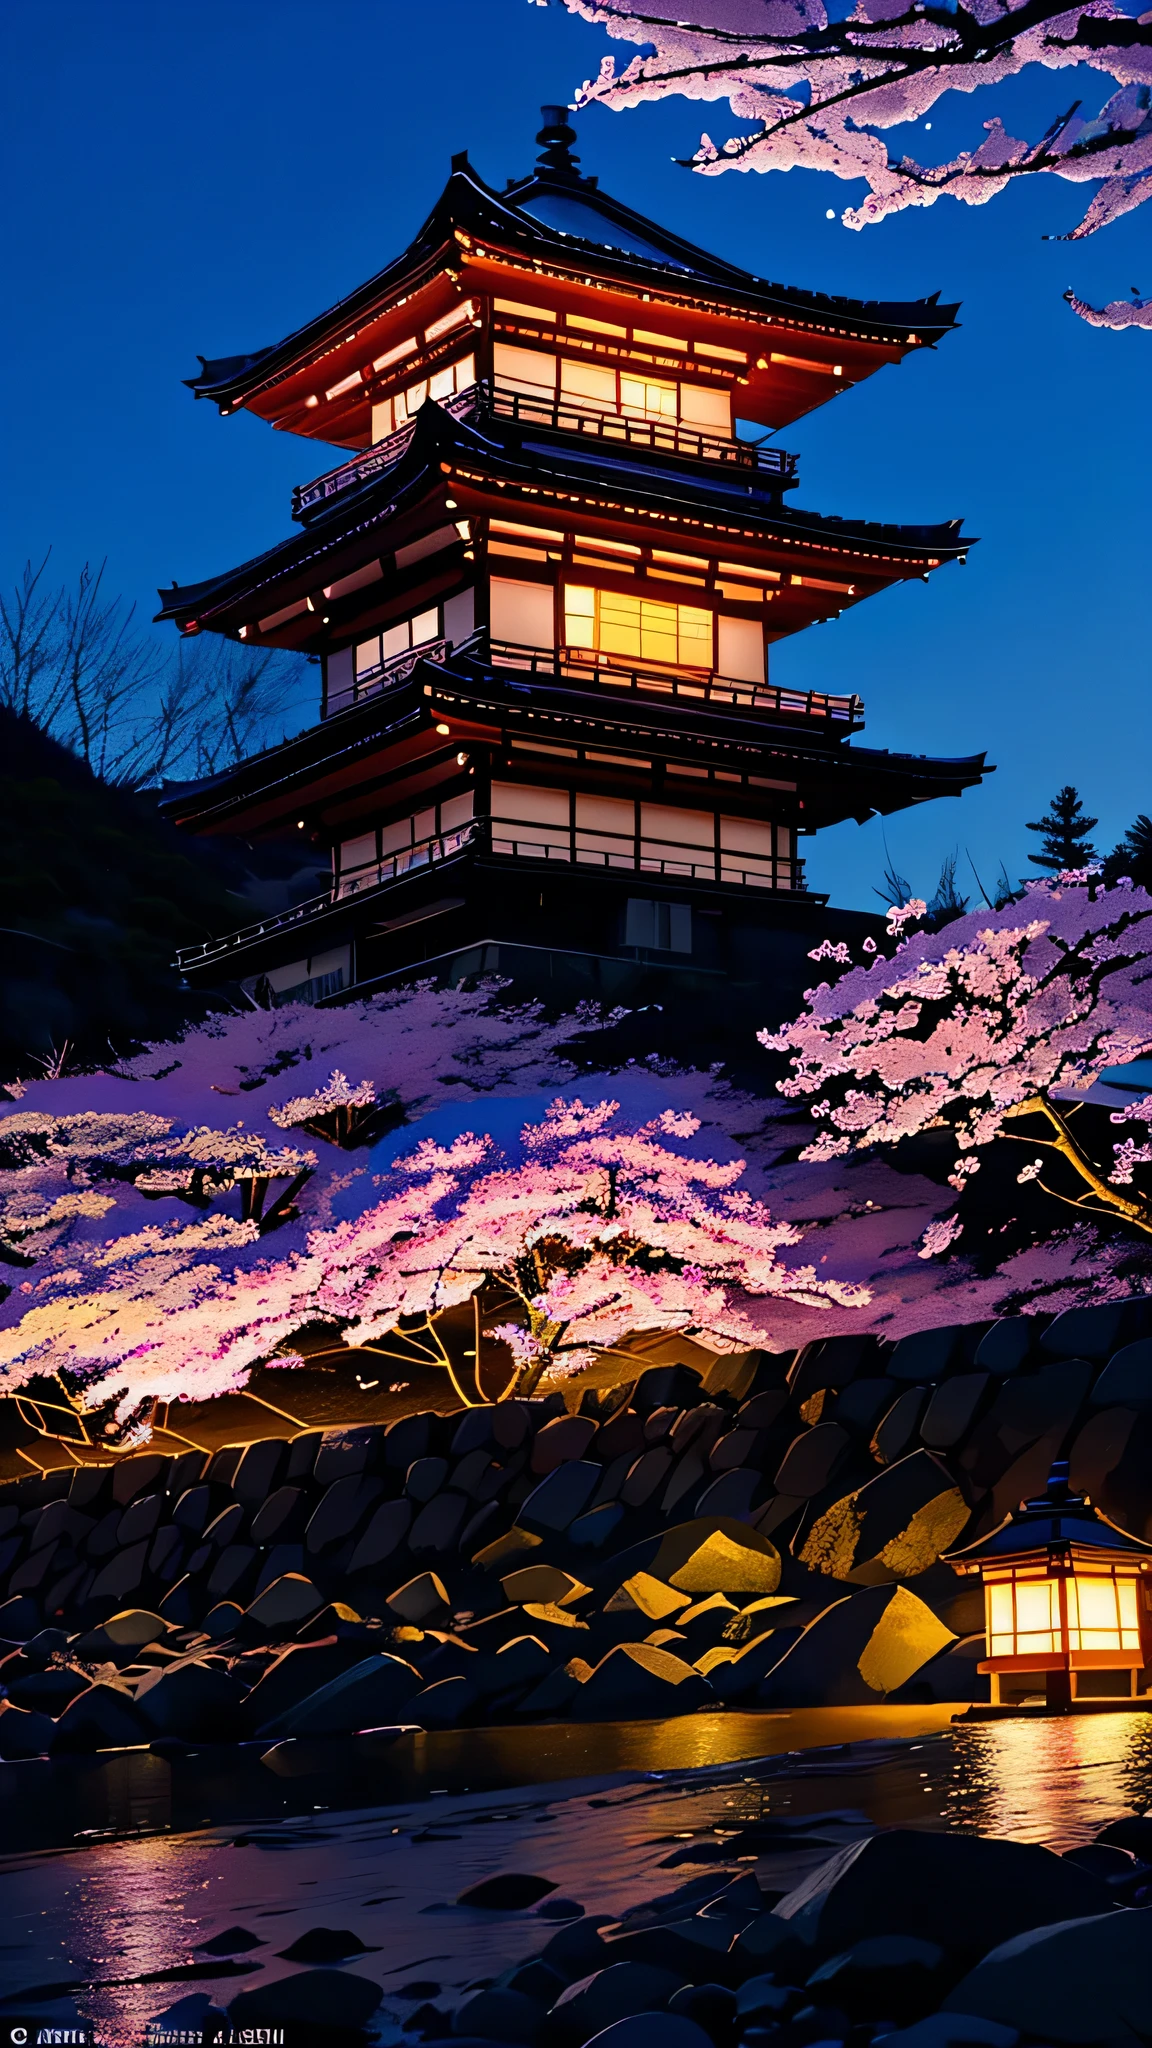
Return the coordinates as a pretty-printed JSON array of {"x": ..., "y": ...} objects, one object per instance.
[
  {"x": 1133, "y": 854},
  {"x": 1065, "y": 829}
]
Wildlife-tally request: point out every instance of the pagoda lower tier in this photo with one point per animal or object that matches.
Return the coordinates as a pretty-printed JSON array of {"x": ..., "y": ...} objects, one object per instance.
[{"x": 583, "y": 831}]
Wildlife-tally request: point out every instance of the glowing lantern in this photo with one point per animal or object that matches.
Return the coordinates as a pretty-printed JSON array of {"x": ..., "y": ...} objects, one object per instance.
[{"x": 1063, "y": 1596}]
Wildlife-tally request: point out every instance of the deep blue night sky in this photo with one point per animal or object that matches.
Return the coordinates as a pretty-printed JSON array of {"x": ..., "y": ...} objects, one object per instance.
[{"x": 184, "y": 179}]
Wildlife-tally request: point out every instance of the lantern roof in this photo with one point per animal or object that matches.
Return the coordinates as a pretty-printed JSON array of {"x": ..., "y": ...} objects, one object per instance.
[{"x": 1057, "y": 1520}]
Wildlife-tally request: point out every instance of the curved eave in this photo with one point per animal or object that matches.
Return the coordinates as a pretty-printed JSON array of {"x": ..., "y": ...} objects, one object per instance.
[
  {"x": 478, "y": 697},
  {"x": 438, "y": 437},
  {"x": 468, "y": 203},
  {"x": 1021, "y": 1536}
]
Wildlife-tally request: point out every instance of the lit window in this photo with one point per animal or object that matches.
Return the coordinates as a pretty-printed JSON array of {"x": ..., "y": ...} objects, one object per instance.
[
  {"x": 647, "y": 399},
  {"x": 632, "y": 628},
  {"x": 398, "y": 639}
]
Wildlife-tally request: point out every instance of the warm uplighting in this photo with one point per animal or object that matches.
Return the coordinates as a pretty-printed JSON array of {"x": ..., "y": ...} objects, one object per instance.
[{"x": 1062, "y": 1599}]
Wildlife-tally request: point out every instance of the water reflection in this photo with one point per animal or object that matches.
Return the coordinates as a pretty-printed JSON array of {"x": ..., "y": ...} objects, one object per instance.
[{"x": 1051, "y": 1781}]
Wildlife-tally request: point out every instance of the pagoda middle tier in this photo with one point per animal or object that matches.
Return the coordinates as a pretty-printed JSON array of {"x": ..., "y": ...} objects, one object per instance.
[{"x": 543, "y": 594}]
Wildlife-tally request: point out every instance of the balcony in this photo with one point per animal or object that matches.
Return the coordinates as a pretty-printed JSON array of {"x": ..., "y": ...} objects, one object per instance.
[
  {"x": 665, "y": 437},
  {"x": 481, "y": 401},
  {"x": 386, "y": 676},
  {"x": 685, "y": 686},
  {"x": 508, "y": 838}
]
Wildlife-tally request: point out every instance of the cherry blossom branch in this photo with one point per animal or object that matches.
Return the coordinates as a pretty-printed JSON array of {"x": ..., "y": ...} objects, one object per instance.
[{"x": 1139, "y": 1213}]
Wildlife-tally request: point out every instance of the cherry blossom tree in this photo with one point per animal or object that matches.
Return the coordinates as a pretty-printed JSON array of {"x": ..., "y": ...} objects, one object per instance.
[
  {"x": 600, "y": 1230},
  {"x": 822, "y": 91},
  {"x": 998, "y": 1018}
]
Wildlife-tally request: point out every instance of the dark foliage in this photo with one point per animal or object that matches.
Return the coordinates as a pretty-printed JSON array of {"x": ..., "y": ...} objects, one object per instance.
[{"x": 1064, "y": 830}]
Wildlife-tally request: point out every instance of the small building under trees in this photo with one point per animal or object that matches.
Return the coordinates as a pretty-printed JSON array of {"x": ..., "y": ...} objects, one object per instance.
[{"x": 543, "y": 591}]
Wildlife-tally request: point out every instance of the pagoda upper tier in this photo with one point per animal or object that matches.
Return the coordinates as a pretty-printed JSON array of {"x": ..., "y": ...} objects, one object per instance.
[{"x": 608, "y": 287}]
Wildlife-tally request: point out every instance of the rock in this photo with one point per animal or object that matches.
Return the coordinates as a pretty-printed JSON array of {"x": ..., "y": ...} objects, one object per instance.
[
  {"x": 144, "y": 1473},
  {"x": 340, "y": 1511},
  {"x": 636, "y": 1682},
  {"x": 425, "y": 1478},
  {"x": 661, "y": 2029},
  {"x": 1133, "y": 1832},
  {"x": 1126, "y": 1381},
  {"x": 895, "y": 1526},
  {"x": 697, "y": 1948},
  {"x": 510, "y": 1424},
  {"x": 559, "y": 1497},
  {"x": 883, "y": 1976},
  {"x": 324, "y": 1945},
  {"x": 234, "y": 1572},
  {"x": 419, "y": 1599},
  {"x": 954, "y": 2030},
  {"x": 1086, "y": 1980},
  {"x": 302, "y": 1454},
  {"x": 309, "y": 1998},
  {"x": 372, "y": 1694},
  {"x": 734, "y": 1495},
  {"x": 809, "y": 1462},
  {"x": 1102, "y": 1859},
  {"x": 579, "y": 1949},
  {"x": 646, "y": 1595},
  {"x": 348, "y": 1453},
  {"x": 284, "y": 1604},
  {"x": 566, "y": 1438},
  {"x": 646, "y": 1476},
  {"x": 47, "y": 1692},
  {"x": 622, "y": 1436},
  {"x": 964, "y": 1892},
  {"x": 780, "y": 1946},
  {"x": 193, "y": 1509},
  {"x": 383, "y": 1536},
  {"x": 861, "y": 1405},
  {"x": 122, "y": 1575},
  {"x": 189, "y": 2017},
  {"x": 24, "y": 1733},
  {"x": 225, "y": 1527},
  {"x": 473, "y": 1432},
  {"x": 857, "y": 1651},
  {"x": 951, "y": 1675},
  {"x": 443, "y": 1704},
  {"x": 437, "y": 1525},
  {"x": 829, "y": 1362},
  {"x": 1097, "y": 1332},
  {"x": 666, "y": 1386},
  {"x": 260, "y": 1470},
  {"x": 498, "y": 2016},
  {"x": 712, "y": 2006},
  {"x": 1007, "y": 1346},
  {"x": 297, "y": 1673},
  {"x": 897, "y": 1427},
  {"x": 101, "y": 1718},
  {"x": 134, "y": 1628},
  {"x": 513, "y": 1891},
  {"x": 763, "y": 1999},
  {"x": 166, "y": 1555},
  {"x": 479, "y": 1475},
  {"x": 515, "y": 1665},
  {"x": 544, "y": 1583},
  {"x": 283, "y": 1517},
  {"x": 557, "y": 1908},
  {"x": 688, "y": 1476},
  {"x": 618, "y": 1992},
  {"x": 231, "y": 1941},
  {"x": 555, "y": 1693},
  {"x": 19, "y": 1619},
  {"x": 198, "y": 1702},
  {"x": 698, "y": 1428},
  {"x": 927, "y": 1356},
  {"x": 952, "y": 1410},
  {"x": 592, "y": 1531}
]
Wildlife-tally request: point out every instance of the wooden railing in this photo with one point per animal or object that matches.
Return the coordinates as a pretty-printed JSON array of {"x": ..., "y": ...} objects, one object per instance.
[
  {"x": 696, "y": 686},
  {"x": 516, "y": 839},
  {"x": 386, "y": 676},
  {"x": 561, "y": 416}
]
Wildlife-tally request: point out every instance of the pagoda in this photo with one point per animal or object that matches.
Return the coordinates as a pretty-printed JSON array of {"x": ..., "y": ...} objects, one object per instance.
[{"x": 542, "y": 590}]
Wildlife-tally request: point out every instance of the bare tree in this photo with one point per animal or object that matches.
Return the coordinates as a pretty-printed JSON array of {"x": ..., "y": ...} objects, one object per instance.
[{"x": 75, "y": 661}]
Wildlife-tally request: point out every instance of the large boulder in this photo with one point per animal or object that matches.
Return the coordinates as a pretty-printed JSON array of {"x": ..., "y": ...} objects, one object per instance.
[
  {"x": 301, "y": 1669},
  {"x": 857, "y": 1651},
  {"x": 372, "y": 1694},
  {"x": 560, "y": 1496},
  {"x": 24, "y": 1733},
  {"x": 637, "y": 1682},
  {"x": 283, "y": 1517},
  {"x": 1126, "y": 1381},
  {"x": 593, "y": 2003},
  {"x": 199, "y": 1702},
  {"x": 893, "y": 1527},
  {"x": 285, "y": 1604},
  {"x": 811, "y": 1460},
  {"x": 560, "y": 1441},
  {"x": 1097, "y": 1331},
  {"x": 101, "y": 1718},
  {"x": 952, "y": 1410},
  {"x": 260, "y": 1470},
  {"x": 340, "y": 1510},
  {"x": 967, "y": 1893},
  {"x": 542, "y": 1583},
  {"x": 118, "y": 1639},
  {"x": 1085, "y": 1980},
  {"x": 321, "y": 1999},
  {"x": 383, "y": 1536}
]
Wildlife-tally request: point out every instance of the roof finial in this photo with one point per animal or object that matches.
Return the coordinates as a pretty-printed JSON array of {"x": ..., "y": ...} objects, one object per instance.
[{"x": 557, "y": 136}]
